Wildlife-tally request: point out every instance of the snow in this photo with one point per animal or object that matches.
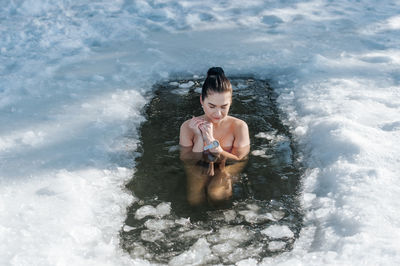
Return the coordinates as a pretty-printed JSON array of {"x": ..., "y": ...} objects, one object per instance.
[{"x": 73, "y": 79}]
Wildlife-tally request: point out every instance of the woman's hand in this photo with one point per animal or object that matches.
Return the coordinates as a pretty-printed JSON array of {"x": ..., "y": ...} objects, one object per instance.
[
  {"x": 195, "y": 124},
  {"x": 206, "y": 129}
]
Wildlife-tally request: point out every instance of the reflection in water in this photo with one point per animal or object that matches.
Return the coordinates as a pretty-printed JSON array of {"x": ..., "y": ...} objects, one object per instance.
[
  {"x": 210, "y": 178},
  {"x": 246, "y": 209}
]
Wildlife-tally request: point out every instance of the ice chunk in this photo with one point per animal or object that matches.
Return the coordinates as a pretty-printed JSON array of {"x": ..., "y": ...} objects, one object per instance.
[
  {"x": 151, "y": 236},
  {"x": 138, "y": 251},
  {"x": 186, "y": 85},
  {"x": 243, "y": 253},
  {"x": 249, "y": 216},
  {"x": 236, "y": 233},
  {"x": 183, "y": 221},
  {"x": 198, "y": 254},
  {"x": 173, "y": 148},
  {"x": 253, "y": 217},
  {"x": 225, "y": 248},
  {"x": 276, "y": 245},
  {"x": 195, "y": 233},
  {"x": 278, "y": 231},
  {"x": 278, "y": 215},
  {"x": 161, "y": 210},
  {"x": 154, "y": 224},
  {"x": 265, "y": 135},
  {"x": 260, "y": 153},
  {"x": 174, "y": 83},
  {"x": 128, "y": 228},
  {"x": 253, "y": 207},
  {"x": 145, "y": 211},
  {"x": 229, "y": 215},
  {"x": 180, "y": 91}
]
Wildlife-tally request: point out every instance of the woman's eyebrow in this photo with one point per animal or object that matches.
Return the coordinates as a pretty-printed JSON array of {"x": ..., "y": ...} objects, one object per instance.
[{"x": 216, "y": 105}]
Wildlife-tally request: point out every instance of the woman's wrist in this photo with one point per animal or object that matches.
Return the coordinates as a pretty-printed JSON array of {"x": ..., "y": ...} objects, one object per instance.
[
  {"x": 216, "y": 150},
  {"x": 208, "y": 139}
]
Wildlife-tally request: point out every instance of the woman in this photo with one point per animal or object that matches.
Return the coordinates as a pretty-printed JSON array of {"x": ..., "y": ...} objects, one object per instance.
[{"x": 217, "y": 135}]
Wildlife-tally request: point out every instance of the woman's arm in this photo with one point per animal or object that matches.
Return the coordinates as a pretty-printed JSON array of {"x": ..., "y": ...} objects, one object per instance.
[
  {"x": 191, "y": 140},
  {"x": 241, "y": 144}
]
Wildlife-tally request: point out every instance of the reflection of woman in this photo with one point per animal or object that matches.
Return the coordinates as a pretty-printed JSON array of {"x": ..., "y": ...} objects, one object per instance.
[{"x": 216, "y": 136}]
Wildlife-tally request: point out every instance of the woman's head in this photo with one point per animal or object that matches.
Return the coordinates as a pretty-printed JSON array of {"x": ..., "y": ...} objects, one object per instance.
[
  {"x": 216, "y": 95},
  {"x": 216, "y": 81}
]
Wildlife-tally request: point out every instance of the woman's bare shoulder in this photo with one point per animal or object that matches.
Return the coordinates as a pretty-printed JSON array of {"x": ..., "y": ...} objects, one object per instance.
[
  {"x": 185, "y": 124},
  {"x": 236, "y": 122}
]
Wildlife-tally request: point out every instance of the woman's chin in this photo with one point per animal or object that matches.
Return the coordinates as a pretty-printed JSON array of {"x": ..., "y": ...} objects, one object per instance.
[{"x": 216, "y": 120}]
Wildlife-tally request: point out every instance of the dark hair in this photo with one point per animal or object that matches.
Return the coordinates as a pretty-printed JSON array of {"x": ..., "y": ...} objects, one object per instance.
[{"x": 216, "y": 81}]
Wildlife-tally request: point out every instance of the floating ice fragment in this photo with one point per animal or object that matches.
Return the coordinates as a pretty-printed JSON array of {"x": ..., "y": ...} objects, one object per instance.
[
  {"x": 174, "y": 83},
  {"x": 138, "y": 251},
  {"x": 278, "y": 215},
  {"x": 180, "y": 91},
  {"x": 183, "y": 221},
  {"x": 161, "y": 210},
  {"x": 260, "y": 153},
  {"x": 195, "y": 233},
  {"x": 173, "y": 148},
  {"x": 128, "y": 228},
  {"x": 236, "y": 233},
  {"x": 225, "y": 248},
  {"x": 151, "y": 236},
  {"x": 253, "y": 207},
  {"x": 278, "y": 231},
  {"x": 249, "y": 216},
  {"x": 254, "y": 217},
  {"x": 145, "y": 211},
  {"x": 265, "y": 135},
  {"x": 229, "y": 215},
  {"x": 154, "y": 224},
  {"x": 243, "y": 253},
  {"x": 186, "y": 85},
  {"x": 198, "y": 254},
  {"x": 276, "y": 245}
]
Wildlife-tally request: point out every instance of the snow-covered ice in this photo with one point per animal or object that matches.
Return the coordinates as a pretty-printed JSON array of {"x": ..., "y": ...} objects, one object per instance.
[{"x": 74, "y": 77}]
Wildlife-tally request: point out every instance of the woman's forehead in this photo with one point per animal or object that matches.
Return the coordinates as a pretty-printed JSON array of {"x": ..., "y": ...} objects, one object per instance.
[{"x": 218, "y": 98}]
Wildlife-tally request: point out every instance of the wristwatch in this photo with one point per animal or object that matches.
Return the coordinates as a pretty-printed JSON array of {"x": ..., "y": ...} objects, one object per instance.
[{"x": 212, "y": 145}]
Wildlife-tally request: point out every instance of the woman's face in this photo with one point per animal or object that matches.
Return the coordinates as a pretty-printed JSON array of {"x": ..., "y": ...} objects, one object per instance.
[{"x": 216, "y": 105}]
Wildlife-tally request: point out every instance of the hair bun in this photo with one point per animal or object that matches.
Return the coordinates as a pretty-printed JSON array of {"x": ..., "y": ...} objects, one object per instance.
[{"x": 215, "y": 71}]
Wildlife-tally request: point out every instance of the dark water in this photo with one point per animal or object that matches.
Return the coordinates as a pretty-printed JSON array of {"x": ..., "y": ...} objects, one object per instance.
[{"x": 264, "y": 194}]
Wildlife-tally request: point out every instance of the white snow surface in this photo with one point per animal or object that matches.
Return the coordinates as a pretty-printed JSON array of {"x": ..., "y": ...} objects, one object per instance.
[{"x": 73, "y": 77}]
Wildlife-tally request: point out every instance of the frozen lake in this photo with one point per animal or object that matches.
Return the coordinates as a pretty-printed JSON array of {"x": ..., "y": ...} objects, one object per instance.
[{"x": 75, "y": 77}]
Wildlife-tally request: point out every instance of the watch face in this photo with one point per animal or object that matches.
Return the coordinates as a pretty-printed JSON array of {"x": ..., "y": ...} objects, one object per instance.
[{"x": 215, "y": 143}]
